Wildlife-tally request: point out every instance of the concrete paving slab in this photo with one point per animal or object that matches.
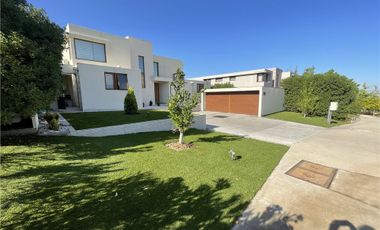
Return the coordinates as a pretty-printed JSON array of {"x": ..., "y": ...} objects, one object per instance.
[{"x": 351, "y": 202}]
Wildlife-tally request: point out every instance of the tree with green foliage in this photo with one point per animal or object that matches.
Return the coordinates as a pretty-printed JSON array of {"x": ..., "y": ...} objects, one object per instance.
[
  {"x": 181, "y": 104},
  {"x": 307, "y": 99},
  {"x": 31, "y": 53},
  {"x": 130, "y": 103},
  {"x": 326, "y": 87},
  {"x": 369, "y": 99},
  {"x": 223, "y": 85}
]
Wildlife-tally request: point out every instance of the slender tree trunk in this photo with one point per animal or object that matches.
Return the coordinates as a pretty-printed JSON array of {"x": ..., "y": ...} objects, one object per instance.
[{"x": 180, "y": 137}]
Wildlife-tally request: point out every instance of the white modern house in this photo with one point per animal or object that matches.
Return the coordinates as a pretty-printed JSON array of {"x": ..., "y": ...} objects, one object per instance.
[
  {"x": 255, "y": 92},
  {"x": 98, "y": 68}
]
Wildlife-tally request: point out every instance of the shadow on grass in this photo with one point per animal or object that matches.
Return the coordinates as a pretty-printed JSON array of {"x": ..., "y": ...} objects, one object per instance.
[{"x": 76, "y": 197}]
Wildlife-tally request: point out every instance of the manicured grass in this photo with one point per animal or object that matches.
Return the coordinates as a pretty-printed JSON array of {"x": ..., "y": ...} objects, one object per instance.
[
  {"x": 131, "y": 181},
  {"x": 298, "y": 117},
  {"x": 89, "y": 120}
]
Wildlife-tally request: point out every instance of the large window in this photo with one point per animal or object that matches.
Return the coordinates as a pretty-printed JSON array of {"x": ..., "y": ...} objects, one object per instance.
[
  {"x": 219, "y": 80},
  {"x": 142, "y": 69},
  {"x": 91, "y": 51},
  {"x": 116, "y": 81},
  {"x": 156, "y": 69},
  {"x": 232, "y": 78},
  {"x": 200, "y": 87}
]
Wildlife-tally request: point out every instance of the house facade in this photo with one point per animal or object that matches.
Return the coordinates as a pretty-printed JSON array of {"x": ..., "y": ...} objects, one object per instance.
[
  {"x": 269, "y": 77},
  {"x": 98, "y": 68}
]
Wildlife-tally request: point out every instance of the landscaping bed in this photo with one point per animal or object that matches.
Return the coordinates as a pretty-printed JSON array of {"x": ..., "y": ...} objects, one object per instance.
[
  {"x": 299, "y": 118},
  {"x": 131, "y": 181},
  {"x": 88, "y": 120}
]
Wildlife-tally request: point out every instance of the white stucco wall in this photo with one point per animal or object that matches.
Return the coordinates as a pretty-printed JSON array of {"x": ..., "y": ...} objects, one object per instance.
[
  {"x": 272, "y": 100},
  {"x": 164, "y": 92},
  {"x": 95, "y": 97},
  {"x": 167, "y": 66}
]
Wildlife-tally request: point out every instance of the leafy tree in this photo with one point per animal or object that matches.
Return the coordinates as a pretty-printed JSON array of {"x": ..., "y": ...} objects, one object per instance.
[
  {"x": 307, "y": 100},
  {"x": 326, "y": 87},
  {"x": 130, "y": 103},
  {"x": 223, "y": 85},
  {"x": 181, "y": 104},
  {"x": 31, "y": 53},
  {"x": 369, "y": 99}
]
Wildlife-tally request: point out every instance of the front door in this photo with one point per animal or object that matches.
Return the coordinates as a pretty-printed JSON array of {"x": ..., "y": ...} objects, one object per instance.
[{"x": 157, "y": 93}]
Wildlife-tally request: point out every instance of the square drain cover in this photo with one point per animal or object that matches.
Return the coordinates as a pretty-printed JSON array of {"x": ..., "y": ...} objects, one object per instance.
[{"x": 314, "y": 173}]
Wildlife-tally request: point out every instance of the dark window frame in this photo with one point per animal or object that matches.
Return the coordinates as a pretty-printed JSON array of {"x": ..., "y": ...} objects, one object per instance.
[
  {"x": 115, "y": 77},
  {"x": 143, "y": 83},
  {"x": 264, "y": 77},
  {"x": 158, "y": 68},
  {"x": 200, "y": 87},
  {"x": 104, "y": 45},
  {"x": 217, "y": 80},
  {"x": 233, "y": 78}
]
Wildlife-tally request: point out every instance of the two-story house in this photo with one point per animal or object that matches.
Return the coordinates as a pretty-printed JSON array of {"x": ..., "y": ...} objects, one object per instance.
[{"x": 98, "y": 68}]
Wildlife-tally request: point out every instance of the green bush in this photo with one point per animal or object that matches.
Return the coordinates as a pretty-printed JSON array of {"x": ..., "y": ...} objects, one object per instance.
[
  {"x": 130, "y": 103},
  {"x": 50, "y": 116},
  {"x": 54, "y": 124},
  {"x": 31, "y": 54},
  {"x": 223, "y": 85},
  {"x": 321, "y": 90}
]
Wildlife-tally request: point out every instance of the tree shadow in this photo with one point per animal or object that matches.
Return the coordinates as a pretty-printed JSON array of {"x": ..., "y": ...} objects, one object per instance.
[
  {"x": 273, "y": 217},
  {"x": 339, "y": 224},
  {"x": 77, "y": 197},
  {"x": 219, "y": 138}
]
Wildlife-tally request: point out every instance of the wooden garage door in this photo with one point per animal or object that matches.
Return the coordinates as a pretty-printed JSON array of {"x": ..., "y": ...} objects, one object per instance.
[{"x": 233, "y": 102}]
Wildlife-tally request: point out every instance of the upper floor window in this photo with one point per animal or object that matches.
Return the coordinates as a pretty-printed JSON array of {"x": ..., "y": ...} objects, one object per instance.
[
  {"x": 142, "y": 69},
  {"x": 87, "y": 50},
  {"x": 116, "y": 81},
  {"x": 262, "y": 77},
  {"x": 219, "y": 79},
  {"x": 156, "y": 69},
  {"x": 232, "y": 78},
  {"x": 200, "y": 87}
]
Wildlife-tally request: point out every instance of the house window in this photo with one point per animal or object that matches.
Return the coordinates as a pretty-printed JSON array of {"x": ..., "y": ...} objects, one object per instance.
[
  {"x": 199, "y": 87},
  {"x": 91, "y": 51},
  {"x": 116, "y": 81},
  {"x": 262, "y": 77},
  {"x": 232, "y": 78},
  {"x": 156, "y": 69},
  {"x": 219, "y": 79},
  {"x": 142, "y": 69}
]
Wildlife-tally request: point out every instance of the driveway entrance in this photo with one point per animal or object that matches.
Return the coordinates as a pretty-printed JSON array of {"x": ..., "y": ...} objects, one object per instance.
[{"x": 276, "y": 131}]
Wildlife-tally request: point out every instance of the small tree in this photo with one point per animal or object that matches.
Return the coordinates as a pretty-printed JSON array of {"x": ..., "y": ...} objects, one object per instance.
[
  {"x": 307, "y": 100},
  {"x": 130, "y": 103},
  {"x": 223, "y": 85},
  {"x": 181, "y": 104}
]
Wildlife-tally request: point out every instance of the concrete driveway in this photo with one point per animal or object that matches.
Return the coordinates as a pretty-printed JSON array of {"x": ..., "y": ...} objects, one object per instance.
[
  {"x": 271, "y": 130},
  {"x": 351, "y": 201}
]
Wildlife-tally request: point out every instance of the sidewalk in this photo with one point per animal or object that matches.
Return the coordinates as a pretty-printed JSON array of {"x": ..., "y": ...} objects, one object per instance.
[{"x": 351, "y": 200}]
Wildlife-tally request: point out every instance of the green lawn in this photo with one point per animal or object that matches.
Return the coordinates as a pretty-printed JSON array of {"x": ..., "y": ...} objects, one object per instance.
[
  {"x": 298, "y": 117},
  {"x": 131, "y": 181},
  {"x": 89, "y": 120}
]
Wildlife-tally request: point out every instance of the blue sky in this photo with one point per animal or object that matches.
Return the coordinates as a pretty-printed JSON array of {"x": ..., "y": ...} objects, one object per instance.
[{"x": 217, "y": 36}]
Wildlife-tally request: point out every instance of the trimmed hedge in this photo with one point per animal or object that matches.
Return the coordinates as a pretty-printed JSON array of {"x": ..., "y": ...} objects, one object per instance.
[
  {"x": 327, "y": 87},
  {"x": 130, "y": 103}
]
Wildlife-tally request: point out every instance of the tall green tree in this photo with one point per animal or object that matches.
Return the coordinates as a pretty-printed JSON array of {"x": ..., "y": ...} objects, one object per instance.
[
  {"x": 181, "y": 104},
  {"x": 31, "y": 53},
  {"x": 307, "y": 99}
]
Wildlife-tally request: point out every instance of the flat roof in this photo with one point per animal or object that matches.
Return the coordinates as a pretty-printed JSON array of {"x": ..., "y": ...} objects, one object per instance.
[{"x": 232, "y": 74}]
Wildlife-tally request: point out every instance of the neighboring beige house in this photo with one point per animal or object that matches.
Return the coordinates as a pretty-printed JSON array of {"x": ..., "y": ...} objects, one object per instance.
[
  {"x": 270, "y": 77},
  {"x": 98, "y": 68},
  {"x": 255, "y": 92}
]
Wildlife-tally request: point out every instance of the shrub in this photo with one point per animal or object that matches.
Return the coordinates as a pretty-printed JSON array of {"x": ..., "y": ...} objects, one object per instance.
[
  {"x": 223, "y": 85},
  {"x": 321, "y": 89},
  {"x": 31, "y": 54},
  {"x": 50, "y": 116},
  {"x": 130, "y": 103},
  {"x": 54, "y": 124},
  {"x": 53, "y": 120}
]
